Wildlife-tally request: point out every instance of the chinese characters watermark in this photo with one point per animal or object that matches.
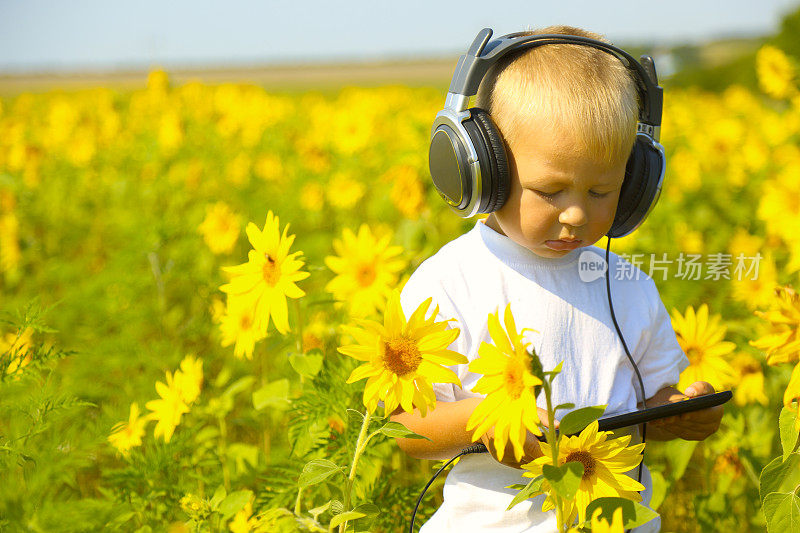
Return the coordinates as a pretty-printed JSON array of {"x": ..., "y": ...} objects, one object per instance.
[{"x": 692, "y": 267}]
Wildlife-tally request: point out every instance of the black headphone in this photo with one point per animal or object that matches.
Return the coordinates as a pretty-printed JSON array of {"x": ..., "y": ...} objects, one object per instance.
[{"x": 467, "y": 155}]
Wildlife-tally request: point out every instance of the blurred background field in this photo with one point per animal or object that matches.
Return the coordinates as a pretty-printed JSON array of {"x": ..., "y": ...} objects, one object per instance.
[{"x": 123, "y": 194}]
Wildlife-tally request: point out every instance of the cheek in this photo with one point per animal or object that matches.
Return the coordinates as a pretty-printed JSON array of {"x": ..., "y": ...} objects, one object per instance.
[
  {"x": 607, "y": 209},
  {"x": 603, "y": 214},
  {"x": 536, "y": 212}
]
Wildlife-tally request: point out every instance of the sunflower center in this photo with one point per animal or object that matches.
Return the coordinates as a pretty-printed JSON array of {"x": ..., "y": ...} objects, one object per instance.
[
  {"x": 401, "y": 355},
  {"x": 694, "y": 354},
  {"x": 750, "y": 368},
  {"x": 271, "y": 271},
  {"x": 365, "y": 275},
  {"x": 513, "y": 374},
  {"x": 586, "y": 459}
]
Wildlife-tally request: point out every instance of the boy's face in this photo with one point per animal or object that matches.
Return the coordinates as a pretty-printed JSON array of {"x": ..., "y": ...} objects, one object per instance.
[{"x": 557, "y": 192}]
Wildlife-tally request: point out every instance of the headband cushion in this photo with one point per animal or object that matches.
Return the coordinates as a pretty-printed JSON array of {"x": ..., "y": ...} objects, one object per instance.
[{"x": 497, "y": 182}]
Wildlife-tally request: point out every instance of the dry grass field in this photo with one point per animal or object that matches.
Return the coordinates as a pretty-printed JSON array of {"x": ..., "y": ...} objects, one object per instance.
[{"x": 436, "y": 72}]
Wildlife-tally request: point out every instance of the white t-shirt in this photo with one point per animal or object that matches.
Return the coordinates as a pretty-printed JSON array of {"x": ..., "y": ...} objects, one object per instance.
[{"x": 481, "y": 272}]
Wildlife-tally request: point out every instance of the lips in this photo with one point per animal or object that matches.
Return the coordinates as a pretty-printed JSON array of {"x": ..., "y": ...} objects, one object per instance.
[{"x": 563, "y": 244}]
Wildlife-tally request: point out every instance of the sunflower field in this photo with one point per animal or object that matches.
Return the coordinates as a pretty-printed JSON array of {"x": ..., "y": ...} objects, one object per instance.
[{"x": 193, "y": 280}]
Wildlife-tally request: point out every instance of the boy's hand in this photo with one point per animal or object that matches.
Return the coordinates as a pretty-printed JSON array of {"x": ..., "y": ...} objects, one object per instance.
[
  {"x": 531, "y": 447},
  {"x": 696, "y": 425}
]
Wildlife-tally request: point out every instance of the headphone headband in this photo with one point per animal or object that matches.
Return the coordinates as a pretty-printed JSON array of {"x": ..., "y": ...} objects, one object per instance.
[{"x": 482, "y": 54}]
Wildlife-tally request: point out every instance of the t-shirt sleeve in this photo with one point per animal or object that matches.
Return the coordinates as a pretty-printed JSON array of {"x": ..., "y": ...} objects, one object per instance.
[
  {"x": 662, "y": 359},
  {"x": 419, "y": 287}
]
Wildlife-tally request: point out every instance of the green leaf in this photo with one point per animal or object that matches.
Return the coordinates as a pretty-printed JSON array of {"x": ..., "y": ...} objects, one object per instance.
[
  {"x": 234, "y": 502},
  {"x": 396, "y": 429},
  {"x": 564, "y": 479},
  {"x": 551, "y": 375},
  {"x": 659, "y": 490},
  {"x": 337, "y": 507},
  {"x": 533, "y": 488},
  {"x": 782, "y": 511},
  {"x": 273, "y": 394},
  {"x": 780, "y": 475},
  {"x": 242, "y": 455},
  {"x": 369, "y": 509},
  {"x": 344, "y": 517},
  {"x": 318, "y": 470},
  {"x": 316, "y": 511},
  {"x": 536, "y": 367},
  {"x": 218, "y": 496},
  {"x": 679, "y": 452},
  {"x": 564, "y": 406},
  {"x": 222, "y": 377},
  {"x": 575, "y": 421},
  {"x": 789, "y": 436},
  {"x": 307, "y": 364},
  {"x": 238, "y": 386},
  {"x": 633, "y": 514}
]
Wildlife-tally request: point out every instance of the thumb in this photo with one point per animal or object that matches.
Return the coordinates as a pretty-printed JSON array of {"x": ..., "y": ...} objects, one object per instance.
[{"x": 698, "y": 388}]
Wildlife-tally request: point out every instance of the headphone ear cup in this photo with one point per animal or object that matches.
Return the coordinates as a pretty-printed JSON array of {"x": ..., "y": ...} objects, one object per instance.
[
  {"x": 495, "y": 180},
  {"x": 640, "y": 188}
]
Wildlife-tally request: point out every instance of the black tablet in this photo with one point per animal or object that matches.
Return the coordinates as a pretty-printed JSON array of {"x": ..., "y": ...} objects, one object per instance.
[{"x": 633, "y": 418}]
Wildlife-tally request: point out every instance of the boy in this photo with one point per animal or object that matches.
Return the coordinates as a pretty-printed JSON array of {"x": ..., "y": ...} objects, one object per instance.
[{"x": 567, "y": 114}]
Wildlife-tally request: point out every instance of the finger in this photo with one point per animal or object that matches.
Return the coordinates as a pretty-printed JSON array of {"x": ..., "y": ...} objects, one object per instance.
[
  {"x": 699, "y": 388},
  {"x": 545, "y": 419}
]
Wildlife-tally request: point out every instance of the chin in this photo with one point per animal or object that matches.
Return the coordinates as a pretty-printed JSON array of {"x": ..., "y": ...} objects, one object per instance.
[{"x": 550, "y": 253}]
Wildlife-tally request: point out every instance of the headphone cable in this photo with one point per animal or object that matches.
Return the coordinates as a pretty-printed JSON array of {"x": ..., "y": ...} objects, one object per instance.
[
  {"x": 473, "y": 448},
  {"x": 625, "y": 346}
]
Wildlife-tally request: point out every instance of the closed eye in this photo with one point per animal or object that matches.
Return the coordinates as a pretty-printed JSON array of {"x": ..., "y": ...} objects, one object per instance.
[
  {"x": 599, "y": 194},
  {"x": 547, "y": 194},
  {"x": 551, "y": 195}
]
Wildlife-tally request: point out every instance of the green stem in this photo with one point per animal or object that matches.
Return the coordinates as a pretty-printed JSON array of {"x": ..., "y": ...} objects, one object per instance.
[
  {"x": 297, "y": 502},
  {"x": 361, "y": 443},
  {"x": 296, "y": 304},
  {"x": 223, "y": 453},
  {"x": 263, "y": 370},
  {"x": 552, "y": 439}
]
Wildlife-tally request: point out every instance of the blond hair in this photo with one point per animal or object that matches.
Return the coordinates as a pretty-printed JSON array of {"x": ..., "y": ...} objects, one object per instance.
[{"x": 566, "y": 88}]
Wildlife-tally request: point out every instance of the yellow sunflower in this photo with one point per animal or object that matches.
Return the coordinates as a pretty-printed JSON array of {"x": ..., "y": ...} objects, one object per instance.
[
  {"x": 189, "y": 379},
  {"x": 775, "y": 72},
  {"x": 402, "y": 358},
  {"x": 220, "y": 228},
  {"x": 125, "y": 436},
  {"x": 753, "y": 284},
  {"x": 269, "y": 275},
  {"x": 701, "y": 336},
  {"x": 750, "y": 386},
  {"x": 782, "y": 343},
  {"x": 238, "y": 326},
  {"x": 366, "y": 268},
  {"x": 167, "y": 410},
  {"x": 16, "y": 346},
  {"x": 507, "y": 382},
  {"x": 605, "y": 463}
]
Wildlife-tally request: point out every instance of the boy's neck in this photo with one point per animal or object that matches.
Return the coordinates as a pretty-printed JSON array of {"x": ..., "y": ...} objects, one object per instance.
[{"x": 491, "y": 221}]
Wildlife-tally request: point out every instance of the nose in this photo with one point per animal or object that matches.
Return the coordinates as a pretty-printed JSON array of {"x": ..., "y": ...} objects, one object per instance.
[{"x": 573, "y": 215}]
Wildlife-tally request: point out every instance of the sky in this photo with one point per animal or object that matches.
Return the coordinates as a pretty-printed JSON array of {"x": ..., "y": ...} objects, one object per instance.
[{"x": 102, "y": 35}]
